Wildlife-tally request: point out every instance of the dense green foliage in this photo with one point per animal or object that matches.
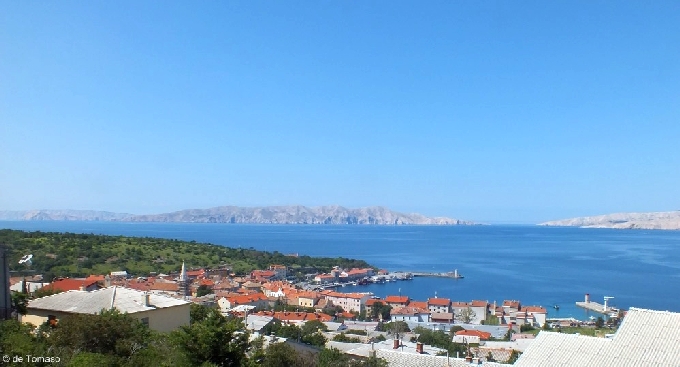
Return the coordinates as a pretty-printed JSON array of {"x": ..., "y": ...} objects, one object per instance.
[
  {"x": 69, "y": 254},
  {"x": 112, "y": 339},
  {"x": 334, "y": 358},
  {"x": 343, "y": 338},
  {"x": 439, "y": 339},
  {"x": 309, "y": 333},
  {"x": 379, "y": 310}
]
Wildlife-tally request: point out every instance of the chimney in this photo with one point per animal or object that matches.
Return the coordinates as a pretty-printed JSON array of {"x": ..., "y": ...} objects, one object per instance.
[
  {"x": 419, "y": 348},
  {"x": 107, "y": 281},
  {"x": 145, "y": 299},
  {"x": 395, "y": 344}
]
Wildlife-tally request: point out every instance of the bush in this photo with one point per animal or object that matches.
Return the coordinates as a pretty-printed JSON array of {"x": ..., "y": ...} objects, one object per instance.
[{"x": 345, "y": 339}]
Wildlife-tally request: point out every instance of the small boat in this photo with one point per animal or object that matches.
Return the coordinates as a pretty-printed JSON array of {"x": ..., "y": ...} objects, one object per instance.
[{"x": 557, "y": 307}]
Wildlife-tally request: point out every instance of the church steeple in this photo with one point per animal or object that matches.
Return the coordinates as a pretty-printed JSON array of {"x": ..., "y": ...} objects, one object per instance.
[
  {"x": 183, "y": 274},
  {"x": 183, "y": 282}
]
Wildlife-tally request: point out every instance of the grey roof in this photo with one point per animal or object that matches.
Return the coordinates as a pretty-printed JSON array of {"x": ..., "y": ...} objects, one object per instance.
[
  {"x": 256, "y": 323},
  {"x": 124, "y": 299},
  {"x": 397, "y": 358},
  {"x": 645, "y": 338}
]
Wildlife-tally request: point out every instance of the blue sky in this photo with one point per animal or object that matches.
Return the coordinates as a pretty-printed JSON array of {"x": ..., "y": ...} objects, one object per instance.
[{"x": 494, "y": 111}]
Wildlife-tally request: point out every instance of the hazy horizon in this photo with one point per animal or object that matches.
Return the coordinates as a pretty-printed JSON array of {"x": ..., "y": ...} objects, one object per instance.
[{"x": 494, "y": 112}]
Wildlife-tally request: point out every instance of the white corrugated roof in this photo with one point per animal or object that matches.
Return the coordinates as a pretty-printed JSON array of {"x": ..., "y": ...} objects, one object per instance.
[
  {"x": 397, "y": 358},
  {"x": 645, "y": 338},
  {"x": 124, "y": 299}
]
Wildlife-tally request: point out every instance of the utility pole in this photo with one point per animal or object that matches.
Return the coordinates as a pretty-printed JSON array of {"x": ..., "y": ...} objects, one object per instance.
[{"x": 5, "y": 296}]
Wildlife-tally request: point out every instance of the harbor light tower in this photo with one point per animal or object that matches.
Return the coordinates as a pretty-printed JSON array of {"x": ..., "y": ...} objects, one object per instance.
[{"x": 606, "y": 299}]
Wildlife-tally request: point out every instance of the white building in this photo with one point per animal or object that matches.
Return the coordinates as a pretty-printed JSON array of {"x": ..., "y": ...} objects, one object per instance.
[
  {"x": 160, "y": 313},
  {"x": 646, "y": 338},
  {"x": 350, "y": 302}
]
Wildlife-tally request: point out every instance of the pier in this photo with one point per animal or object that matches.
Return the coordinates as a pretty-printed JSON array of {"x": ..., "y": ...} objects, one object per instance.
[
  {"x": 451, "y": 274},
  {"x": 596, "y": 307}
]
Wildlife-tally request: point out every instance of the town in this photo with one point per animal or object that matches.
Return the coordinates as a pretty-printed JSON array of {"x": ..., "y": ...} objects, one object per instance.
[{"x": 271, "y": 301}]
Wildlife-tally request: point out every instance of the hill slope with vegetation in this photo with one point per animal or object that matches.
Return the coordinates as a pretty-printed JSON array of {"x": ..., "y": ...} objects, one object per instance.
[{"x": 70, "y": 254}]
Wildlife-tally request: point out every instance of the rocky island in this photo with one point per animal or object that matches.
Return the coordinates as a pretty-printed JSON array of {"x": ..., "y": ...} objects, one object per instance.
[
  {"x": 653, "y": 220},
  {"x": 376, "y": 215}
]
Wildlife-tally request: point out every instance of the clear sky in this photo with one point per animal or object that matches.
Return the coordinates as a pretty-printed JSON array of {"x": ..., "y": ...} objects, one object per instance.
[{"x": 497, "y": 111}]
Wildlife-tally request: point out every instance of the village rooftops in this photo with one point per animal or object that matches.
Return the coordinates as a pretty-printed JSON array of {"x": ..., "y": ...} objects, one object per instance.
[
  {"x": 397, "y": 299},
  {"x": 482, "y": 335},
  {"x": 120, "y": 298},
  {"x": 408, "y": 311},
  {"x": 533, "y": 309},
  {"x": 346, "y": 295},
  {"x": 69, "y": 284},
  {"x": 418, "y": 304},
  {"x": 439, "y": 301}
]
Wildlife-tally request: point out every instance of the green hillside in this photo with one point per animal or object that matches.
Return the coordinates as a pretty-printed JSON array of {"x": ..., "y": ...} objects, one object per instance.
[{"x": 69, "y": 254}]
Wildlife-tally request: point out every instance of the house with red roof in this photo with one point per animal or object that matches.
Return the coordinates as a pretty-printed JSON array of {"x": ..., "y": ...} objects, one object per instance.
[
  {"x": 350, "y": 302},
  {"x": 71, "y": 284},
  {"x": 440, "y": 305},
  {"x": 397, "y": 301},
  {"x": 483, "y": 335},
  {"x": 406, "y": 313},
  {"x": 256, "y": 300},
  {"x": 196, "y": 274},
  {"x": 287, "y": 316}
]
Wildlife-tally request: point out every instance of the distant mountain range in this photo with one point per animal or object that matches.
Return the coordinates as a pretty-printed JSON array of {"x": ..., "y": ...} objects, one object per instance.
[
  {"x": 654, "y": 220},
  {"x": 260, "y": 215}
]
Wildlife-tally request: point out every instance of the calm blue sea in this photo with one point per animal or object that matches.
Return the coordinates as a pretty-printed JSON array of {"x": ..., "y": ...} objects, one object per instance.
[{"x": 536, "y": 265}]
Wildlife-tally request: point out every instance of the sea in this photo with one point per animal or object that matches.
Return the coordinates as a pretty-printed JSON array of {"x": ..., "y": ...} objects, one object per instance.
[{"x": 536, "y": 265}]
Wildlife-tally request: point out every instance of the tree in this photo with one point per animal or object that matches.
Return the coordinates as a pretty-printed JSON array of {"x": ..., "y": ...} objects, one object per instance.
[
  {"x": 466, "y": 315},
  {"x": 215, "y": 339},
  {"x": 331, "y": 357},
  {"x": 312, "y": 326},
  {"x": 19, "y": 303},
  {"x": 599, "y": 323},
  {"x": 397, "y": 328},
  {"x": 110, "y": 333},
  {"x": 514, "y": 356},
  {"x": 203, "y": 290},
  {"x": 198, "y": 312},
  {"x": 379, "y": 310},
  {"x": 284, "y": 355}
]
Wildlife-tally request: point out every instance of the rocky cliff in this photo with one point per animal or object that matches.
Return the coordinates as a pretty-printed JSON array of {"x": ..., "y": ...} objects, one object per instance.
[
  {"x": 260, "y": 215},
  {"x": 81, "y": 215},
  {"x": 296, "y": 215},
  {"x": 654, "y": 220}
]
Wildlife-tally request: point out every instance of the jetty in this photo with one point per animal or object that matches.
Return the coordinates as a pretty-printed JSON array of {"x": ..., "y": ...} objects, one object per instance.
[
  {"x": 596, "y": 307},
  {"x": 450, "y": 274}
]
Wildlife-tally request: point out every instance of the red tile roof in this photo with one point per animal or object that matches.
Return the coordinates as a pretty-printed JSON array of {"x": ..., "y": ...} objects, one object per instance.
[
  {"x": 397, "y": 299},
  {"x": 68, "y": 284},
  {"x": 513, "y": 304},
  {"x": 534, "y": 309},
  {"x": 296, "y": 316},
  {"x": 418, "y": 304},
  {"x": 372, "y": 301},
  {"x": 165, "y": 286},
  {"x": 246, "y": 299},
  {"x": 483, "y": 335},
  {"x": 480, "y": 303},
  {"x": 439, "y": 301},
  {"x": 407, "y": 311}
]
